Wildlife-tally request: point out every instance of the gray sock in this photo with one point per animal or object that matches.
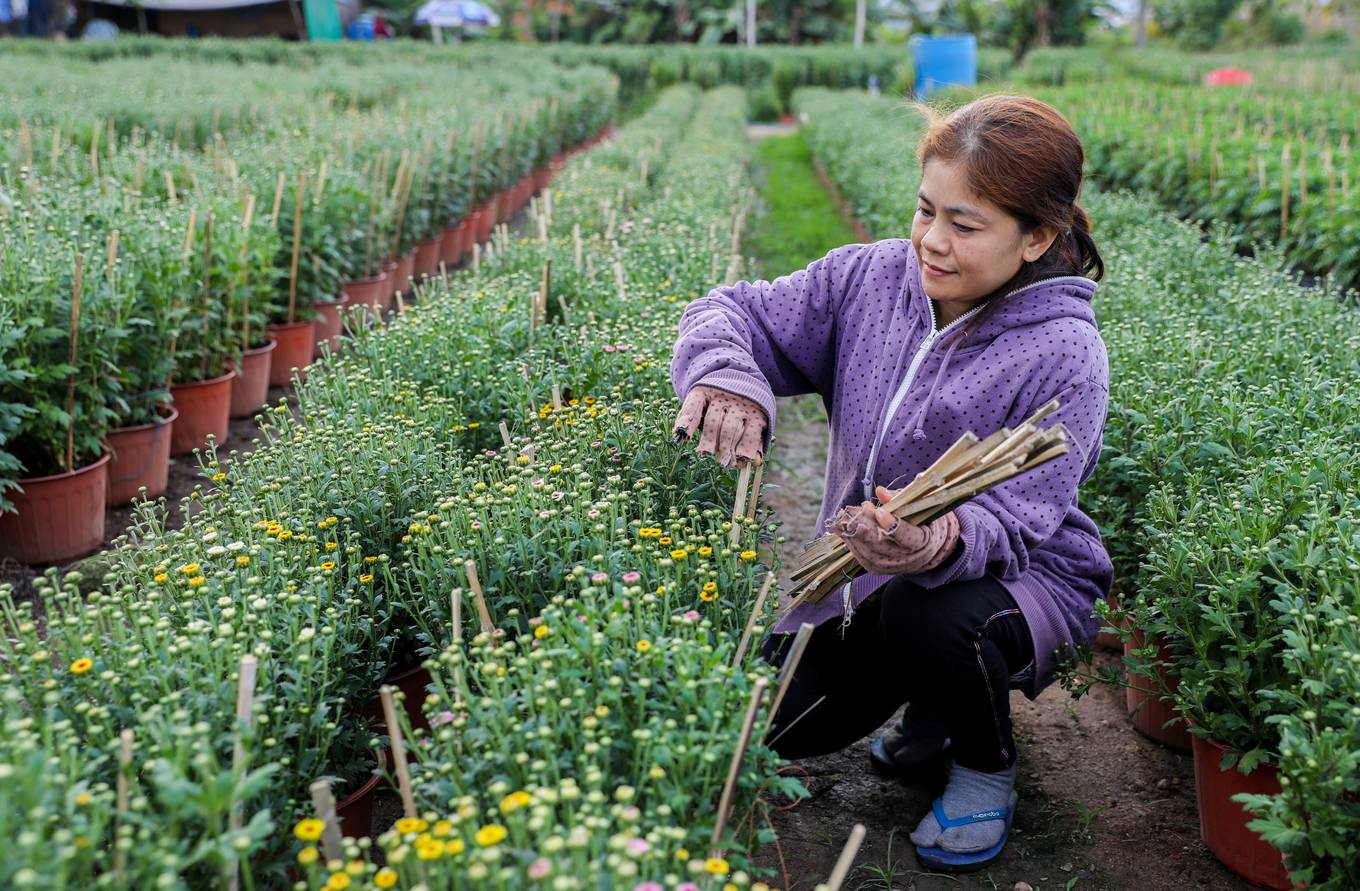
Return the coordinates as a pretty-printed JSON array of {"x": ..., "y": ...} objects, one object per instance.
[{"x": 969, "y": 792}]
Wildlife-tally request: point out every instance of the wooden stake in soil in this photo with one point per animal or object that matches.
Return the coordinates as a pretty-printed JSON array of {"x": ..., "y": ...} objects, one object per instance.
[
  {"x": 744, "y": 740},
  {"x": 755, "y": 491},
  {"x": 124, "y": 793},
  {"x": 278, "y": 201},
  {"x": 323, "y": 802},
  {"x": 246, "y": 217},
  {"x": 800, "y": 643},
  {"x": 739, "y": 507},
  {"x": 245, "y": 699},
  {"x": 457, "y": 641},
  {"x": 483, "y": 614},
  {"x": 408, "y": 799},
  {"x": 556, "y": 397},
  {"x": 112, "y": 256},
  {"x": 543, "y": 289},
  {"x": 576, "y": 239},
  {"x": 751, "y": 622},
  {"x": 847, "y": 857},
  {"x": 207, "y": 296},
  {"x": 1284, "y": 190},
  {"x": 297, "y": 244},
  {"x": 71, "y": 381},
  {"x": 505, "y": 435}
]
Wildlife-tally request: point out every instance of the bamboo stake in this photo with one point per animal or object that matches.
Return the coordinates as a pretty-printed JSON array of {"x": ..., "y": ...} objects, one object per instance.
[
  {"x": 619, "y": 280},
  {"x": 408, "y": 800},
  {"x": 476, "y": 258},
  {"x": 847, "y": 857},
  {"x": 71, "y": 380},
  {"x": 505, "y": 435},
  {"x": 743, "y": 740},
  {"x": 112, "y": 255},
  {"x": 56, "y": 149},
  {"x": 245, "y": 699},
  {"x": 170, "y": 188},
  {"x": 124, "y": 794},
  {"x": 94, "y": 150},
  {"x": 297, "y": 244},
  {"x": 483, "y": 614},
  {"x": 751, "y": 622},
  {"x": 1284, "y": 190},
  {"x": 246, "y": 217},
  {"x": 556, "y": 397},
  {"x": 544, "y": 288},
  {"x": 207, "y": 304},
  {"x": 576, "y": 239},
  {"x": 755, "y": 491},
  {"x": 458, "y": 643},
  {"x": 739, "y": 506},
  {"x": 323, "y": 802},
  {"x": 800, "y": 642}
]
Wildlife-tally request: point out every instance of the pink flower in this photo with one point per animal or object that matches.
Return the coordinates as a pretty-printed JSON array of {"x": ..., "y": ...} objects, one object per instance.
[
  {"x": 648, "y": 886},
  {"x": 621, "y": 347},
  {"x": 608, "y": 348},
  {"x": 631, "y": 576},
  {"x": 686, "y": 886},
  {"x": 636, "y": 847},
  {"x": 544, "y": 514},
  {"x": 538, "y": 483},
  {"x": 557, "y": 496},
  {"x": 600, "y": 577},
  {"x": 444, "y": 717},
  {"x": 592, "y": 513},
  {"x": 490, "y": 453},
  {"x": 597, "y": 443},
  {"x": 581, "y": 617},
  {"x": 691, "y": 616},
  {"x": 540, "y": 868},
  {"x": 476, "y": 524},
  {"x": 535, "y": 621}
]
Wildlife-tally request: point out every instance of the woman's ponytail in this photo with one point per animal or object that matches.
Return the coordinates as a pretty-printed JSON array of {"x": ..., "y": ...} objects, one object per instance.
[{"x": 1085, "y": 254}]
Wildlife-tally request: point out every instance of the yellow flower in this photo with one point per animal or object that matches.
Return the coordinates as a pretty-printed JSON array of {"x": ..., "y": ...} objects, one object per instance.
[
  {"x": 243, "y": 560},
  {"x": 556, "y": 468},
  {"x": 705, "y": 551},
  {"x": 189, "y": 569},
  {"x": 715, "y": 866},
  {"x": 429, "y": 849},
  {"x": 473, "y": 425},
  {"x": 197, "y": 581},
  {"x": 385, "y": 877},
  {"x": 748, "y": 555},
  {"x": 355, "y": 867},
  {"x": 663, "y": 540},
  {"x": 682, "y": 854},
  {"x": 218, "y": 477},
  {"x": 710, "y": 586},
  {"x": 330, "y": 546},
  {"x": 492, "y": 834},
  {"x": 274, "y": 529},
  {"x": 643, "y": 646},
  {"x": 453, "y": 847},
  {"x": 337, "y": 882},
  {"x": 649, "y": 532},
  {"x": 309, "y": 829},
  {"x": 370, "y": 560},
  {"x": 679, "y": 554},
  {"x": 708, "y": 596},
  {"x": 161, "y": 578},
  {"x": 542, "y": 631},
  {"x": 81, "y": 665},
  {"x": 366, "y": 579},
  {"x": 411, "y": 824},
  {"x": 442, "y": 829},
  {"x": 328, "y": 565},
  {"x": 83, "y": 799},
  {"x": 657, "y": 773},
  {"x": 516, "y": 800},
  {"x": 307, "y": 855},
  {"x": 285, "y": 535}
]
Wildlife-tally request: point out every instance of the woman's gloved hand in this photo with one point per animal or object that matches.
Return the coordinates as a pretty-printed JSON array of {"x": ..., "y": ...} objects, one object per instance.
[
  {"x": 733, "y": 425},
  {"x": 885, "y": 545}
]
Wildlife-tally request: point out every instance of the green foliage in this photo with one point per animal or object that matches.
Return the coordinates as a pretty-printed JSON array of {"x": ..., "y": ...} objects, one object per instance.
[
  {"x": 800, "y": 222},
  {"x": 1194, "y": 24}
]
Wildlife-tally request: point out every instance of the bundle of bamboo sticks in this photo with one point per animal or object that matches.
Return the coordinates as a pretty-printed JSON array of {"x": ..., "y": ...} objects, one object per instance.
[{"x": 968, "y": 467}]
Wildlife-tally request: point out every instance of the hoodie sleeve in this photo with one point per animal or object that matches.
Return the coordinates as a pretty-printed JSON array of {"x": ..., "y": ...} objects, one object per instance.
[
  {"x": 764, "y": 339},
  {"x": 999, "y": 528}
]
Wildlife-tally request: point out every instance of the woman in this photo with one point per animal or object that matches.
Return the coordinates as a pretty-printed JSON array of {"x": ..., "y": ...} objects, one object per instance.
[{"x": 983, "y": 316}]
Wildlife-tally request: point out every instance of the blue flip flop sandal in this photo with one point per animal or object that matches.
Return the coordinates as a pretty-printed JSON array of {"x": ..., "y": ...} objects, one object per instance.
[{"x": 940, "y": 860}]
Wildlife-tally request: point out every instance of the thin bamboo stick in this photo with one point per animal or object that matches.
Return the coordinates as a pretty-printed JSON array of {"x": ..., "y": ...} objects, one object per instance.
[
  {"x": 743, "y": 741},
  {"x": 756, "y": 610},
  {"x": 483, "y": 613},
  {"x": 408, "y": 799},
  {"x": 323, "y": 802},
  {"x": 71, "y": 380},
  {"x": 297, "y": 245}
]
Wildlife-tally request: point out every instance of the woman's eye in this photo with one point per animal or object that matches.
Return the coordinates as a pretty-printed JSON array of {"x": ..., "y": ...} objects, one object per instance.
[
  {"x": 925, "y": 212},
  {"x": 963, "y": 228}
]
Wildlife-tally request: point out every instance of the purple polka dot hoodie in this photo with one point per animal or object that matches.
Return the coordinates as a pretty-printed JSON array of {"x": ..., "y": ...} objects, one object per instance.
[{"x": 857, "y": 328}]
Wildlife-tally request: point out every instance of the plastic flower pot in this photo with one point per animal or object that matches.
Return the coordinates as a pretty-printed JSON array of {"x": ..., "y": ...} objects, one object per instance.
[
  {"x": 141, "y": 458},
  {"x": 558, "y": 161},
  {"x": 1223, "y": 823},
  {"x": 402, "y": 276},
  {"x": 297, "y": 342},
  {"x": 426, "y": 258},
  {"x": 355, "y": 811},
  {"x": 413, "y": 683},
  {"x": 204, "y": 409},
  {"x": 328, "y": 327},
  {"x": 542, "y": 176},
  {"x": 59, "y": 517},
  {"x": 1146, "y": 708},
  {"x": 368, "y": 291},
  {"x": 486, "y": 221},
  {"x": 451, "y": 244},
  {"x": 250, "y": 390}
]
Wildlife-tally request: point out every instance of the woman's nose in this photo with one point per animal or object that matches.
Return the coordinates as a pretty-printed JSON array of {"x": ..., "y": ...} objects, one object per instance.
[{"x": 935, "y": 241}]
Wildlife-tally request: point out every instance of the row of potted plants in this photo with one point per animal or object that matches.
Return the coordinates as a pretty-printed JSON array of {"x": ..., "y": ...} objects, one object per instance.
[
  {"x": 199, "y": 321},
  {"x": 588, "y": 731},
  {"x": 1228, "y": 507}
]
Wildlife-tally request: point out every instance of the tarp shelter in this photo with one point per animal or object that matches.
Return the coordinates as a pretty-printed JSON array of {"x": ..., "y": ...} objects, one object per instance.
[{"x": 305, "y": 19}]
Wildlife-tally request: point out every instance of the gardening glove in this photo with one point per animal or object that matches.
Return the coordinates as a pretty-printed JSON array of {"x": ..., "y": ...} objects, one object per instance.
[
  {"x": 885, "y": 545},
  {"x": 733, "y": 425}
]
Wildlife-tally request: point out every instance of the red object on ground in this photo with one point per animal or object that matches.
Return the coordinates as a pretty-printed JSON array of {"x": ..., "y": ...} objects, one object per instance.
[
  {"x": 1227, "y": 77},
  {"x": 296, "y": 343},
  {"x": 59, "y": 517},
  {"x": 1146, "y": 708},
  {"x": 141, "y": 457},
  {"x": 328, "y": 327},
  {"x": 250, "y": 390},
  {"x": 1223, "y": 823},
  {"x": 204, "y": 408}
]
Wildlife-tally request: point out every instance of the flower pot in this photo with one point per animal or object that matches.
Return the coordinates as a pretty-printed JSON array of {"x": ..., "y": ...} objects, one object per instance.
[
  {"x": 250, "y": 390},
  {"x": 297, "y": 342},
  {"x": 1146, "y": 708},
  {"x": 369, "y": 291},
  {"x": 204, "y": 410},
  {"x": 328, "y": 327},
  {"x": 1223, "y": 823},
  {"x": 141, "y": 458},
  {"x": 558, "y": 161},
  {"x": 413, "y": 683},
  {"x": 1105, "y": 639},
  {"x": 451, "y": 244},
  {"x": 486, "y": 220},
  {"x": 355, "y": 811},
  {"x": 402, "y": 275},
  {"x": 59, "y": 517},
  {"x": 542, "y": 176},
  {"x": 425, "y": 261}
]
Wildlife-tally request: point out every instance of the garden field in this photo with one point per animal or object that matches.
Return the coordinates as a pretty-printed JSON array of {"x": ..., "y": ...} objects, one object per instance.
[{"x": 423, "y": 594}]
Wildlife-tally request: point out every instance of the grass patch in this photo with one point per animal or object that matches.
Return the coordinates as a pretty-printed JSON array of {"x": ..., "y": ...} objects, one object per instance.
[{"x": 799, "y": 222}]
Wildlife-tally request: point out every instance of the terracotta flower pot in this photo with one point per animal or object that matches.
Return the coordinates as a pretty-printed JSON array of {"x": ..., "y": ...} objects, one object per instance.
[
  {"x": 297, "y": 342},
  {"x": 250, "y": 390},
  {"x": 451, "y": 244},
  {"x": 204, "y": 409},
  {"x": 1146, "y": 708},
  {"x": 402, "y": 276},
  {"x": 355, "y": 811},
  {"x": 59, "y": 518},
  {"x": 141, "y": 458},
  {"x": 486, "y": 220},
  {"x": 542, "y": 176},
  {"x": 427, "y": 257},
  {"x": 368, "y": 291},
  {"x": 559, "y": 161},
  {"x": 1223, "y": 823},
  {"x": 413, "y": 683},
  {"x": 328, "y": 327},
  {"x": 1107, "y": 640}
]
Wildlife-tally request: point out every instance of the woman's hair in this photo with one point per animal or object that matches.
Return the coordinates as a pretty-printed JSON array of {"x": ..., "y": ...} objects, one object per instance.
[{"x": 1023, "y": 156}]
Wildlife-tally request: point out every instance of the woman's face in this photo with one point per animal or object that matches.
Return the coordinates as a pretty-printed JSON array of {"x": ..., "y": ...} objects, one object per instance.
[{"x": 966, "y": 247}]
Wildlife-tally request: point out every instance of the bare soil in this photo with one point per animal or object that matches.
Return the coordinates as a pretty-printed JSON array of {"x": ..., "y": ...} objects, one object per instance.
[{"x": 1100, "y": 806}]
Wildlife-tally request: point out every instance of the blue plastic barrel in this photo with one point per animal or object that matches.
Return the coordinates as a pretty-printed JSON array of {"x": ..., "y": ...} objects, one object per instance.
[{"x": 944, "y": 61}]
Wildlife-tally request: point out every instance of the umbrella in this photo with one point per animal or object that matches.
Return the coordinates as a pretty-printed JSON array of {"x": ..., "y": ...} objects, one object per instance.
[{"x": 456, "y": 13}]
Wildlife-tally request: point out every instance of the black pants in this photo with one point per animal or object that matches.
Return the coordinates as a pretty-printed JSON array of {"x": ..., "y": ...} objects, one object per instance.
[{"x": 952, "y": 652}]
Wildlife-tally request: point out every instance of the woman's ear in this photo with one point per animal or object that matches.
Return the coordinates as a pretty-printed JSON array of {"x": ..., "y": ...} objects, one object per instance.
[{"x": 1035, "y": 244}]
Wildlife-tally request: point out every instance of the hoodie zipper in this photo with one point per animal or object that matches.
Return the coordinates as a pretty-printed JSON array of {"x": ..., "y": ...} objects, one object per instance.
[{"x": 915, "y": 367}]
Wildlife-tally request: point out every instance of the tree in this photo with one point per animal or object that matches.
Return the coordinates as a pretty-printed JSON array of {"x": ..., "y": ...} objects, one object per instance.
[{"x": 1194, "y": 24}]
